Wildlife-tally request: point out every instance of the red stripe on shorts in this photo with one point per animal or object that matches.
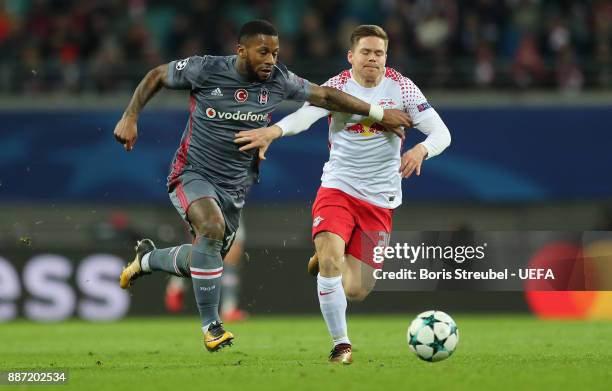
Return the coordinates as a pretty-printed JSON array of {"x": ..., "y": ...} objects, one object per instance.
[{"x": 180, "y": 193}]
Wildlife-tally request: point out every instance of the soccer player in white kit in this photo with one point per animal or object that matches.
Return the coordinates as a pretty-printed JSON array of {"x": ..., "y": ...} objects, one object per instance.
[{"x": 361, "y": 182}]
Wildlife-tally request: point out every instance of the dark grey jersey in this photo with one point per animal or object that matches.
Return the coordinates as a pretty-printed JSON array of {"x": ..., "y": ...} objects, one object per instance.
[{"x": 223, "y": 103}]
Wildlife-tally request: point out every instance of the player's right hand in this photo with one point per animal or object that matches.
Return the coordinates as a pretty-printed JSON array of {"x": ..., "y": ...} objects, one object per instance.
[
  {"x": 412, "y": 160},
  {"x": 258, "y": 138},
  {"x": 394, "y": 120},
  {"x": 126, "y": 132}
]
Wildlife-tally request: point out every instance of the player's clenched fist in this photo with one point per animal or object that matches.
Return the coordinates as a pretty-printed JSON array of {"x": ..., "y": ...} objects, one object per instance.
[{"x": 126, "y": 132}]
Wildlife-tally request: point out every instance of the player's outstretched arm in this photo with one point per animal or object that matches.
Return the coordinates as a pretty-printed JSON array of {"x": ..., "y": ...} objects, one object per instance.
[
  {"x": 126, "y": 131},
  {"x": 336, "y": 100},
  {"x": 290, "y": 125}
]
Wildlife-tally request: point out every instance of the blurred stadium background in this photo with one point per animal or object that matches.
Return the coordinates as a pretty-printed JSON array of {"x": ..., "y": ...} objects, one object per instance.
[{"x": 523, "y": 85}]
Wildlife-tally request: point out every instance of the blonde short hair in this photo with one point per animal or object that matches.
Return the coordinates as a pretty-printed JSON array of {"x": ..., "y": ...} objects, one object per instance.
[{"x": 368, "y": 30}]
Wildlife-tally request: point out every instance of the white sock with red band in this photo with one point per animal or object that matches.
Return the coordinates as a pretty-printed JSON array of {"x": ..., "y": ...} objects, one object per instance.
[{"x": 333, "y": 307}]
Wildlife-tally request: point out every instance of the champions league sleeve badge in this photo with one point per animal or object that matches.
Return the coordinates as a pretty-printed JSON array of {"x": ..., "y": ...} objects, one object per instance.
[
  {"x": 263, "y": 96},
  {"x": 180, "y": 65}
]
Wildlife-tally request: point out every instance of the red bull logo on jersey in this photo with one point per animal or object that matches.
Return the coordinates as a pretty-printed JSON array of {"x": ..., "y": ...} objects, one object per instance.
[
  {"x": 366, "y": 128},
  {"x": 237, "y": 115},
  {"x": 387, "y": 103}
]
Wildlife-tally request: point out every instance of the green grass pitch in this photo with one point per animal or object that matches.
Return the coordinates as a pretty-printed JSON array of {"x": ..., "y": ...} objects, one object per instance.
[{"x": 494, "y": 353}]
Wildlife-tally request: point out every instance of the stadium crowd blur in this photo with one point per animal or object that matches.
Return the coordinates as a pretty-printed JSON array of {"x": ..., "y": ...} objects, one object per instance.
[{"x": 107, "y": 45}]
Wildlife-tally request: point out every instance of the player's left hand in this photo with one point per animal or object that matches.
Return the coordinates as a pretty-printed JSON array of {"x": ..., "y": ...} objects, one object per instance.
[
  {"x": 258, "y": 138},
  {"x": 412, "y": 160}
]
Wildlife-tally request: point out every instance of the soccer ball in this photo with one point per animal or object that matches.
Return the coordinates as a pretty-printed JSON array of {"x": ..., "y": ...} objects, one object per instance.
[{"x": 433, "y": 336}]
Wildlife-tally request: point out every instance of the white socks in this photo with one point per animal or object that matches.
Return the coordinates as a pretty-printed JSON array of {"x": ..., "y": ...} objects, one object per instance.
[
  {"x": 333, "y": 307},
  {"x": 144, "y": 263}
]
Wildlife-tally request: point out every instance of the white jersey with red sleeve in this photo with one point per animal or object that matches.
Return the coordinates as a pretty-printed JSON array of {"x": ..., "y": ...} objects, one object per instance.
[{"x": 364, "y": 158}]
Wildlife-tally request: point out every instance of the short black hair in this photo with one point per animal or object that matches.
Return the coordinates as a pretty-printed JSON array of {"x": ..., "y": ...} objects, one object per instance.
[{"x": 255, "y": 27}]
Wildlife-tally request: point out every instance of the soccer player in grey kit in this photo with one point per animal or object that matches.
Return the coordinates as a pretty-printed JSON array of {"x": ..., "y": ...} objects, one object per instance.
[{"x": 210, "y": 177}]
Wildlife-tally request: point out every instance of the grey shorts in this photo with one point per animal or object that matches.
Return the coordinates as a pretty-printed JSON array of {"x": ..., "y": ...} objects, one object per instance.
[{"x": 192, "y": 186}]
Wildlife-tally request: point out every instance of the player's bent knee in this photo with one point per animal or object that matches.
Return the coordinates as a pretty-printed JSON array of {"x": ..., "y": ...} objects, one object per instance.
[
  {"x": 207, "y": 219},
  {"x": 212, "y": 228},
  {"x": 329, "y": 266},
  {"x": 356, "y": 293}
]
